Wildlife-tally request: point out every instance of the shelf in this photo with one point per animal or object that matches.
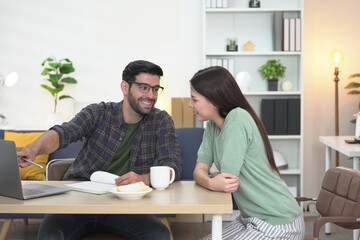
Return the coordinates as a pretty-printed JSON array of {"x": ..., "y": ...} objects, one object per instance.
[
  {"x": 290, "y": 171},
  {"x": 250, "y": 10},
  {"x": 272, "y": 93},
  {"x": 264, "y": 27},
  {"x": 271, "y": 53}
]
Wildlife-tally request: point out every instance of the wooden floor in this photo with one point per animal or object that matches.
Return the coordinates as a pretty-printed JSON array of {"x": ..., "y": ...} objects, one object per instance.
[{"x": 181, "y": 231}]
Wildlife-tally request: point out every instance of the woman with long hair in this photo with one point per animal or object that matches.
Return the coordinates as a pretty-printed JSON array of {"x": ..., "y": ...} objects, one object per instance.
[{"x": 235, "y": 140}]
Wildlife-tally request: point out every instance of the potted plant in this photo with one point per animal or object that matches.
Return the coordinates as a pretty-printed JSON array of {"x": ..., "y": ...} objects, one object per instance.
[
  {"x": 272, "y": 70},
  {"x": 231, "y": 45},
  {"x": 356, "y": 88},
  {"x": 55, "y": 72}
]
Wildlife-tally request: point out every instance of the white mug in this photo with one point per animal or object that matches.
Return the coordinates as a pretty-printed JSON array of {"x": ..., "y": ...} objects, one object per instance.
[{"x": 160, "y": 177}]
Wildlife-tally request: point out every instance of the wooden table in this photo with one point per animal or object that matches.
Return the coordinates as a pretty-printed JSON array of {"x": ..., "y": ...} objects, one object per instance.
[
  {"x": 182, "y": 197},
  {"x": 350, "y": 150}
]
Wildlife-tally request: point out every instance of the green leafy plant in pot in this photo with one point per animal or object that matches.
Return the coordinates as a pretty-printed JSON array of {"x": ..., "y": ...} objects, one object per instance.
[
  {"x": 231, "y": 45},
  {"x": 356, "y": 88},
  {"x": 272, "y": 70},
  {"x": 56, "y": 71}
]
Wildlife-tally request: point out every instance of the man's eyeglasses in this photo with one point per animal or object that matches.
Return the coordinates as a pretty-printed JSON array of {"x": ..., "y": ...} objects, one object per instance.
[{"x": 144, "y": 88}]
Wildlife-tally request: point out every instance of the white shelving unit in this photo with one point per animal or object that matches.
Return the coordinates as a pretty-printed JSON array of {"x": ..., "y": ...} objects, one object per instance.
[{"x": 263, "y": 27}]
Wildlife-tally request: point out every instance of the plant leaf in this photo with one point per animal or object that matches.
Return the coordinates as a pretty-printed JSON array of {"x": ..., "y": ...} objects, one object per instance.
[
  {"x": 52, "y": 91},
  {"x": 47, "y": 60},
  {"x": 67, "y": 68},
  {"x": 353, "y": 85},
  {"x": 54, "y": 78},
  {"x": 66, "y": 60},
  {"x": 59, "y": 88},
  {"x": 46, "y": 71},
  {"x": 69, "y": 80},
  {"x": 54, "y": 64},
  {"x": 65, "y": 96},
  {"x": 354, "y": 75},
  {"x": 354, "y": 92}
]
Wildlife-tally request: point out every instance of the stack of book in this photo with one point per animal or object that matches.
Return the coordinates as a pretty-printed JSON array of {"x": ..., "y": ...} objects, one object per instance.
[
  {"x": 291, "y": 34},
  {"x": 216, "y": 3},
  {"x": 222, "y": 62},
  {"x": 281, "y": 116}
]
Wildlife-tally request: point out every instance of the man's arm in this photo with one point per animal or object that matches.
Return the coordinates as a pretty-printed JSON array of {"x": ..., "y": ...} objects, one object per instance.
[{"x": 45, "y": 144}]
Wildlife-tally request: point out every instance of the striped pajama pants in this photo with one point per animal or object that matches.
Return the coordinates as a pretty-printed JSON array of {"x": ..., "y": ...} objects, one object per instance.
[{"x": 255, "y": 229}]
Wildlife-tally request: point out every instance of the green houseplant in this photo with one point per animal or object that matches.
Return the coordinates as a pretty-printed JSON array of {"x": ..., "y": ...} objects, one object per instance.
[
  {"x": 356, "y": 88},
  {"x": 231, "y": 45},
  {"x": 55, "y": 72},
  {"x": 272, "y": 70}
]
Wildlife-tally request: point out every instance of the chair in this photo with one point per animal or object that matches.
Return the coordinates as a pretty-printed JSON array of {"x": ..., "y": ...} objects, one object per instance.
[
  {"x": 339, "y": 199},
  {"x": 190, "y": 140}
]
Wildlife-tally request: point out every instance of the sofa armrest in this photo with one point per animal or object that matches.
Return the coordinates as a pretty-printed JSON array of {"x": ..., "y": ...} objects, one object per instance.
[{"x": 56, "y": 168}]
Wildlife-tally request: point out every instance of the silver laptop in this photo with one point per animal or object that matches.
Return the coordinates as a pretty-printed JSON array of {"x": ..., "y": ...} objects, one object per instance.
[{"x": 10, "y": 180}]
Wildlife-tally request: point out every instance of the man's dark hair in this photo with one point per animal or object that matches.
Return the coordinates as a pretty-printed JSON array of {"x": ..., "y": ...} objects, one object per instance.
[{"x": 140, "y": 66}]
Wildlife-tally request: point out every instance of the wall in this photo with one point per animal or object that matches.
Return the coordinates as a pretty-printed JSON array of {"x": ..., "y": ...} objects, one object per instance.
[
  {"x": 329, "y": 24},
  {"x": 101, "y": 38},
  {"x": 33, "y": 30}
]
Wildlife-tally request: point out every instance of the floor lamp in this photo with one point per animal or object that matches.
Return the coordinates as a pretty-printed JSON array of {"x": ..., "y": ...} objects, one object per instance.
[{"x": 337, "y": 56}]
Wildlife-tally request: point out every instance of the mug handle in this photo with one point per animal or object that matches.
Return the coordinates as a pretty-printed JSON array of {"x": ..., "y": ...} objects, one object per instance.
[{"x": 172, "y": 175}]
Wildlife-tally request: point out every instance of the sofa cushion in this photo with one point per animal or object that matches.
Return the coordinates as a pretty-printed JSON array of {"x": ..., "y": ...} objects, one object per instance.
[{"x": 22, "y": 139}]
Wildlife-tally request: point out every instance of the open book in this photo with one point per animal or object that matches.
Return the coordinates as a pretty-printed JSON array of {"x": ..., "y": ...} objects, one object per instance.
[{"x": 100, "y": 182}]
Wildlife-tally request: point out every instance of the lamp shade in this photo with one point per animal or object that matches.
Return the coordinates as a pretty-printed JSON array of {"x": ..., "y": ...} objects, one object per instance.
[
  {"x": 11, "y": 79},
  {"x": 337, "y": 56}
]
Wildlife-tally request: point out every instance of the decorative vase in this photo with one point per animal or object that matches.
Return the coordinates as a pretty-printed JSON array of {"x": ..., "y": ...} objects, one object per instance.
[
  {"x": 273, "y": 84},
  {"x": 54, "y": 119}
]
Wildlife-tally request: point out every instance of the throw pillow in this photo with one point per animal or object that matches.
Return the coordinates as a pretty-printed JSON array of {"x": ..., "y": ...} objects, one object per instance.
[{"x": 22, "y": 139}]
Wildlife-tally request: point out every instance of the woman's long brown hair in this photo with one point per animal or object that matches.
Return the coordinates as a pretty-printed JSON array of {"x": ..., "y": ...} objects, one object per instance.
[{"x": 218, "y": 86}]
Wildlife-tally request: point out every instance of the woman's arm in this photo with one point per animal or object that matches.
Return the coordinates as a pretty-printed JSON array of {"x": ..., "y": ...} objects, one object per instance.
[{"x": 222, "y": 182}]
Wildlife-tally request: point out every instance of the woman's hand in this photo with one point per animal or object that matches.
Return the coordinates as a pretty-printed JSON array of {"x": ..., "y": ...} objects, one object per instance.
[{"x": 224, "y": 182}]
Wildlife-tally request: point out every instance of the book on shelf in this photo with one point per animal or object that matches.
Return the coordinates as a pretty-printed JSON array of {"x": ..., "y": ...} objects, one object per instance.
[
  {"x": 278, "y": 31},
  {"x": 213, "y": 62},
  {"x": 286, "y": 34},
  {"x": 280, "y": 116},
  {"x": 292, "y": 34},
  {"x": 208, "y": 62},
  {"x": 267, "y": 115},
  {"x": 100, "y": 182},
  {"x": 216, "y": 3},
  {"x": 297, "y": 34},
  {"x": 293, "y": 116},
  {"x": 225, "y": 63},
  {"x": 208, "y": 4},
  {"x": 231, "y": 66}
]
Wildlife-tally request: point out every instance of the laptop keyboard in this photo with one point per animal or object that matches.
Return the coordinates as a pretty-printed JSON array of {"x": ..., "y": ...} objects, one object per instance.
[{"x": 31, "y": 192}]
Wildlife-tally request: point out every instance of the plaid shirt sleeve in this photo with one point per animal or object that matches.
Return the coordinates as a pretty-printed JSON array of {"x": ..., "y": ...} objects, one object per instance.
[{"x": 155, "y": 141}]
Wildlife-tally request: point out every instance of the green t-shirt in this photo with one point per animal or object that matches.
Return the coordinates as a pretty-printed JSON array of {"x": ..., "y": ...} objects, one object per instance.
[
  {"x": 120, "y": 163},
  {"x": 238, "y": 149}
]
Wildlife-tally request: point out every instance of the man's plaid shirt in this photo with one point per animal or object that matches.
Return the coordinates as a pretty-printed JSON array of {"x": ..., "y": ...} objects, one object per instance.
[{"x": 103, "y": 127}]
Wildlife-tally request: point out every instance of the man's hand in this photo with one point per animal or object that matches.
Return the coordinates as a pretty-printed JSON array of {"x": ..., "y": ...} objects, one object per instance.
[
  {"x": 132, "y": 177},
  {"x": 26, "y": 152},
  {"x": 225, "y": 182}
]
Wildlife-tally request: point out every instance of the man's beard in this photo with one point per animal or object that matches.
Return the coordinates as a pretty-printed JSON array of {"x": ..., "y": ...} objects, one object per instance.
[{"x": 136, "y": 107}]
